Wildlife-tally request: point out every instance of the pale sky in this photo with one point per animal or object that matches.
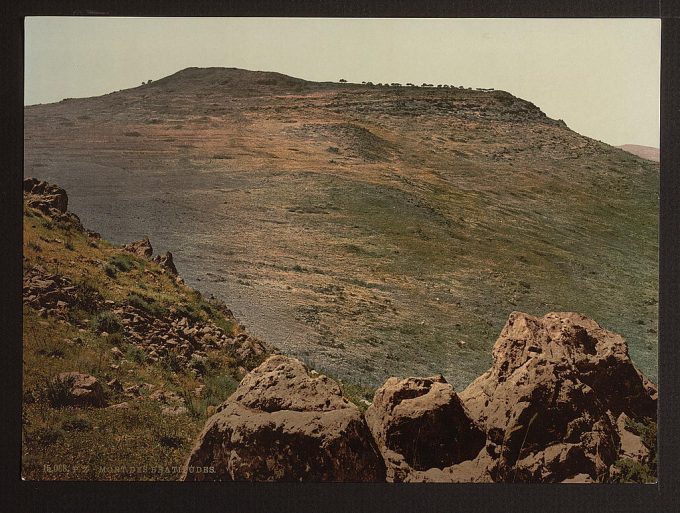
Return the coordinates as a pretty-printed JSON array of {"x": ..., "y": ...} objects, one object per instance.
[{"x": 602, "y": 76}]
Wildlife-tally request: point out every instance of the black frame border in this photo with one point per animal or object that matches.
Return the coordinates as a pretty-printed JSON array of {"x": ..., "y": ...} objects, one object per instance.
[{"x": 250, "y": 497}]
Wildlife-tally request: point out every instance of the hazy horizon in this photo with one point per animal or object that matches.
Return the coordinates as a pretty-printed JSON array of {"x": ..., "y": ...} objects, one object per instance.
[{"x": 601, "y": 76}]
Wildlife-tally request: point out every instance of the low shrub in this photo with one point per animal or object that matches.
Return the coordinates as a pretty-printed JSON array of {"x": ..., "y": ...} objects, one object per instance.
[
  {"x": 135, "y": 354},
  {"x": 631, "y": 471},
  {"x": 46, "y": 435},
  {"x": 122, "y": 262},
  {"x": 147, "y": 305},
  {"x": 217, "y": 388},
  {"x": 116, "y": 339},
  {"x": 58, "y": 392},
  {"x": 76, "y": 424},
  {"x": 171, "y": 441},
  {"x": 189, "y": 311},
  {"x": 106, "y": 321},
  {"x": 171, "y": 363},
  {"x": 88, "y": 295}
]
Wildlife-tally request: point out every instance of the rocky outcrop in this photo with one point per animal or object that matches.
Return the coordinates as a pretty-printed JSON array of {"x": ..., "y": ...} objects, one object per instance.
[
  {"x": 47, "y": 198},
  {"x": 166, "y": 262},
  {"x": 285, "y": 424},
  {"x": 77, "y": 389},
  {"x": 51, "y": 201},
  {"x": 420, "y": 424},
  {"x": 552, "y": 408},
  {"x": 52, "y": 294},
  {"x": 142, "y": 248},
  {"x": 550, "y": 401}
]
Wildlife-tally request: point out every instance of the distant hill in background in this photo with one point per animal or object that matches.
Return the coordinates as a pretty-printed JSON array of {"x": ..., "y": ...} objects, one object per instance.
[{"x": 645, "y": 152}]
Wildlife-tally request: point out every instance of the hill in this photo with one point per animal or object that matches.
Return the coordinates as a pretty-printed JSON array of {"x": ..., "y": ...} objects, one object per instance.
[
  {"x": 370, "y": 230},
  {"x": 645, "y": 152}
]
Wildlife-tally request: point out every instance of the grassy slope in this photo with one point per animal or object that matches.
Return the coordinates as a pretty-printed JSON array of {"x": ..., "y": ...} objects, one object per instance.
[{"x": 93, "y": 443}]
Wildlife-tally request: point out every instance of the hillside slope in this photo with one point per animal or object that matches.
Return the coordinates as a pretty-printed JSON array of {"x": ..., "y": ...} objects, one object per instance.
[
  {"x": 122, "y": 362},
  {"x": 370, "y": 230},
  {"x": 108, "y": 328}
]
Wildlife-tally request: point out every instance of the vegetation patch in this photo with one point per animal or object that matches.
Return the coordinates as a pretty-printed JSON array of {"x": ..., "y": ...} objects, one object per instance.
[{"x": 106, "y": 322}]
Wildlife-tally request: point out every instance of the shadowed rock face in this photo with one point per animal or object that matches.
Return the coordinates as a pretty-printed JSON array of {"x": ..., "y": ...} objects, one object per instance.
[
  {"x": 550, "y": 401},
  {"x": 420, "y": 423},
  {"x": 284, "y": 424}
]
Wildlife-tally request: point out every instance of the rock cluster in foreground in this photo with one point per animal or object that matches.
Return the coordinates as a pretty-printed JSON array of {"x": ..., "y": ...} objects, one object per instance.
[
  {"x": 552, "y": 408},
  {"x": 286, "y": 423}
]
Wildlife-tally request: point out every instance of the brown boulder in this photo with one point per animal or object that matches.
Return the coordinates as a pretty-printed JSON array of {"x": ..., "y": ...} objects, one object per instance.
[
  {"x": 283, "y": 424},
  {"x": 141, "y": 248},
  {"x": 166, "y": 262},
  {"x": 420, "y": 424},
  {"x": 549, "y": 402},
  {"x": 80, "y": 389}
]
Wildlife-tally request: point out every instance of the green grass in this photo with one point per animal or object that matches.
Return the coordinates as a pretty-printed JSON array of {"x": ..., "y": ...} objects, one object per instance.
[
  {"x": 122, "y": 262},
  {"x": 63, "y": 442},
  {"x": 147, "y": 304}
]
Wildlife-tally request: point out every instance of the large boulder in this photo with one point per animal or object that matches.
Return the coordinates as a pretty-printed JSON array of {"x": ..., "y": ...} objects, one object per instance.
[
  {"x": 550, "y": 401},
  {"x": 420, "y": 424},
  {"x": 78, "y": 389},
  {"x": 285, "y": 423}
]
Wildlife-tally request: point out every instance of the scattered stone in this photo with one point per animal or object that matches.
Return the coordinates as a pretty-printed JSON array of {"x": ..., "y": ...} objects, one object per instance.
[
  {"x": 130, "y": 389},
  {"x": 166, "y": 262},
  {"x": 81, "y": 389},
  {"x": 166, "y": 397},
  {"x": 52, "y": 294},
  {"x": 119, "y": 406},
  {"x": 115, "y": 385},
  {"x": 172, "y": 411}
]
